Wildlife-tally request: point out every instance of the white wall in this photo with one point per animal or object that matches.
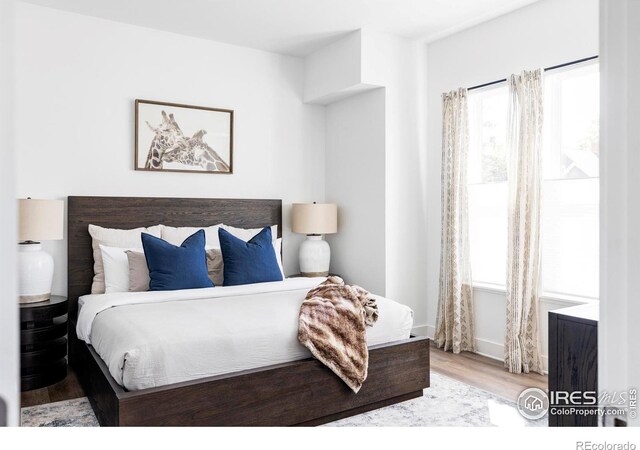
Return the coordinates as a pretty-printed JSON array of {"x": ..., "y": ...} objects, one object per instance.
[
  {"x": 392, "y": 259},
  {"x": 399, "y": 64},
  {"x": 543, "y": 34},
  {"x": 9, "y": 337},
  {"x": 77, "y": 78},
  {"x": 355, "y": 167},
  {"x": 334, "y": 71},
  {"x": 618, "y": 331}
]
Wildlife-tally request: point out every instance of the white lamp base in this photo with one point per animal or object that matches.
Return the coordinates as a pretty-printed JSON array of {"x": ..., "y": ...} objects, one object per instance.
[
  {"x": 315, "y": 256},
  {"x": 35, "y": 269}
]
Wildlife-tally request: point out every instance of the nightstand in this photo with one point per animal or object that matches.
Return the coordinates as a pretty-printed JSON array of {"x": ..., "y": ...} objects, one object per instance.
[{"x": 43, "y": 342}]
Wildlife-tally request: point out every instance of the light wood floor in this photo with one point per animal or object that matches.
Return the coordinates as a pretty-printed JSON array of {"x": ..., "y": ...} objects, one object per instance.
[
  {"x": 479, "y": 371},
  {"x": 484, "y": 373}
]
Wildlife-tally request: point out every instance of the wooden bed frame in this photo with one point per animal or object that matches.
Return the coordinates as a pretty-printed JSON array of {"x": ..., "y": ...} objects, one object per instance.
[{"x": 301, "y": 392}]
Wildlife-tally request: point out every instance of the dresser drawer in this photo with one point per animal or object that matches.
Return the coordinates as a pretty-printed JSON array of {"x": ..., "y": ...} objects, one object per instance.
[{"x": 573, "y": 363}]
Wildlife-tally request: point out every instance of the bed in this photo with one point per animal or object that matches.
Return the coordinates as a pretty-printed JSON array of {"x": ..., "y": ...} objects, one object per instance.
[{"x": 271, "y": 382}]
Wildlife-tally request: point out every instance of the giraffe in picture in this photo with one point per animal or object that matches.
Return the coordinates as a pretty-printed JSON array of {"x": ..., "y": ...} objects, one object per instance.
[
  {"x": 168, "y": 134},
  {"x": 194, "y": 151}
]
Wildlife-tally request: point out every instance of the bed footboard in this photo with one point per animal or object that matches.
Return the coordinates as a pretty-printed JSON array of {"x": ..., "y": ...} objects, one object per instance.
[{"x": 302, "y": 393}]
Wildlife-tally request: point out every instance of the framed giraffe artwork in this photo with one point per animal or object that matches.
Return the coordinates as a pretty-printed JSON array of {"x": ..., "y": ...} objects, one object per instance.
[{"x": 171, "y": 137}]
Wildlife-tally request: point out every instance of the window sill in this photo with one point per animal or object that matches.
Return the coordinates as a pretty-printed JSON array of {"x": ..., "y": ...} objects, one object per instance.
[{"x": 551, "y": 297}]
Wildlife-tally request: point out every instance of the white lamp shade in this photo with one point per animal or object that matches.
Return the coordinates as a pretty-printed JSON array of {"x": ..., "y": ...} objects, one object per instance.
[
  {"x": 40, "y": 220},
  {"x": 314, "y": 218}
]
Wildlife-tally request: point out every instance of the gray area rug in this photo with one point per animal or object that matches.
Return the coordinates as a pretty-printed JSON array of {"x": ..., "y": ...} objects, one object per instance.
[
  {"x": 68, "y": 413},
  {"x": 446, "y": 403}
]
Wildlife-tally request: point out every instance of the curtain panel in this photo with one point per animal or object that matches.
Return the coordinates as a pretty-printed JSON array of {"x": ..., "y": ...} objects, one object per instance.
[
  {"x": 522, "y": 342},
  {"x": 454, "y": 323}
]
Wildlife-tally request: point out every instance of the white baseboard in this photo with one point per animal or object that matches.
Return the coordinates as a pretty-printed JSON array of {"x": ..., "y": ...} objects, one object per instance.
[
  {"x": 490, "y": 349},
  {"x": 484, "y": 347}
]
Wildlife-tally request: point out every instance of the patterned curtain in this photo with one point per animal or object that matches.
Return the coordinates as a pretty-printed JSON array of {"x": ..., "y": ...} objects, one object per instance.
[
  {"x": 454, "y": 324},
  {"x": 522, "y": 343}
]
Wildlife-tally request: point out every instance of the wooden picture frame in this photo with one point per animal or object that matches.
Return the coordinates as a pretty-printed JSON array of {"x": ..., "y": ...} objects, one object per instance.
[{"x": 173, "y": 137}]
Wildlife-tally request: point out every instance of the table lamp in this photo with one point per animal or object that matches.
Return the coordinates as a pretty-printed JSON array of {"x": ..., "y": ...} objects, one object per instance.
[
  {"x": 314, "y": 220},
  {"x": 39, "y": 220}
]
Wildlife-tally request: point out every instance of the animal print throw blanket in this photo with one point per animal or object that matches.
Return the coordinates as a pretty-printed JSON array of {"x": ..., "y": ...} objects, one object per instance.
[{"x": 332, "y": 325}]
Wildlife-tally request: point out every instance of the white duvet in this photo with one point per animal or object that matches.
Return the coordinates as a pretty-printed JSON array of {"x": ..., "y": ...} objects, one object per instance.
[{"x": 150, "y": 339}]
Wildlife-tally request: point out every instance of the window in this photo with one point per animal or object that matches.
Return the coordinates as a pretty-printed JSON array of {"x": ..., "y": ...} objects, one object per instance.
[
  {"x": 487, "y": 177},
  {"x": 570, "y": 190},
  {"x": 570, "y": 187}
]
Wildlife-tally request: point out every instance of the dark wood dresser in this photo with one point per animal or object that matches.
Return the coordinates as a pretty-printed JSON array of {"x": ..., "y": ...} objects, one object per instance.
[
  {"x": 573, "y": 361},
  {"x": 43, "y": 342}
]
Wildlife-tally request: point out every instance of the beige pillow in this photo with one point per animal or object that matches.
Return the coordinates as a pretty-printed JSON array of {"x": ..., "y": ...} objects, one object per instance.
[
  {"x": 215, "y": 266},
  {"x": 112, "y": 237},
  {"x": 139, "y": 272}
]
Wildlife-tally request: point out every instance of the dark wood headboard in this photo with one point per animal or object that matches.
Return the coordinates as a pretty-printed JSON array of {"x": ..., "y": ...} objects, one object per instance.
[{"x": 134, "y": 212}]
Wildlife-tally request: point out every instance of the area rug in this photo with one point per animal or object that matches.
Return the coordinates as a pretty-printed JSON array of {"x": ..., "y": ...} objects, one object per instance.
[{"x": 446, "y": 403}]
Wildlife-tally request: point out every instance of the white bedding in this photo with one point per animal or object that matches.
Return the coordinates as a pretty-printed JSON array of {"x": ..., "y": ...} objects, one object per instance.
[{"x": 150, "y": 339}]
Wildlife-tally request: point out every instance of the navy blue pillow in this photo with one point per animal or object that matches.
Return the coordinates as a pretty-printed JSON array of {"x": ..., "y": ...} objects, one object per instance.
[
  {"x": 172, "y": 267},
  {"x": 248, "y": 262}
]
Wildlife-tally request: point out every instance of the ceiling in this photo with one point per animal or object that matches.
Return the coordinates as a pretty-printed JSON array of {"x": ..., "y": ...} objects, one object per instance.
[{"x": 293, "y": 27}]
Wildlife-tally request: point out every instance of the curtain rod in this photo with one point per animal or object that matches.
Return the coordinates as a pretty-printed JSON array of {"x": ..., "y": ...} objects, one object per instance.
[{"x": 577, "y": 61}]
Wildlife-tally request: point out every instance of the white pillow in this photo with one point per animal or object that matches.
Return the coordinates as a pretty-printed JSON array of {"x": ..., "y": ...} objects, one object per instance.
[
  {"x": 112, "y": 237},
  {"x": 247, "y": 233},
  {"x": 177, "y": 235},
  {"x": 277, "y": 247},
  {"x": 116, "y": 269}
]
